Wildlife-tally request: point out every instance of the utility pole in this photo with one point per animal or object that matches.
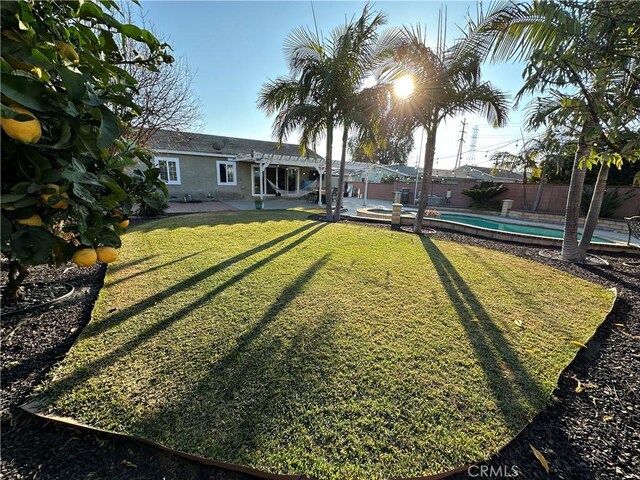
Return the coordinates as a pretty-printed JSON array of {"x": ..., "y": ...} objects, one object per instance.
[
  {"x": 472, "y": 147},
  {"x": 459, "y": 157}
]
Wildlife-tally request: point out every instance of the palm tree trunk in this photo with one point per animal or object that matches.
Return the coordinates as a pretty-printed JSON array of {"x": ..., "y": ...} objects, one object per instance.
[
  {"x": 570, "y": 239},
  {"x": 594, "y": 211},
  {"x": 425, "y": 186},
  {"x": 525, "y": 202},
  {"x": 327, "y": 173},
  {"x": 536, "y": 202},
  {"x": 343, "y": 160}
]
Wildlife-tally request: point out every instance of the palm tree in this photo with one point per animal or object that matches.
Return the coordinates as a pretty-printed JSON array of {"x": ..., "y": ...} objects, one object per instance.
[
  {"x": 585, "y": 56},
  {"x": 363, "y": 51},
  {"x": 324, "y": 88},
  {"x": 447, "y": 83},
  {"x": 536, "y": 154},
  {"x": 305, "y": 100},
  {"x": 525, "y": 160}
]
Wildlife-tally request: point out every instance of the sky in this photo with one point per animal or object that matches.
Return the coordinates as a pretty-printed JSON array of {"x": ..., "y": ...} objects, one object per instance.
[{"x": 233, "y": 48}]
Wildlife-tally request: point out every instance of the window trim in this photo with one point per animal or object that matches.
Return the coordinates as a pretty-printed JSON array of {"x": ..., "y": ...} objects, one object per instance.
[
  {"x": 157, "y": 160},
  {"x": 235, "y": 173}
]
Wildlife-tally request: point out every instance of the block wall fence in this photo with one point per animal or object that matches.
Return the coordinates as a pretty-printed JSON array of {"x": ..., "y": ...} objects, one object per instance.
[{"x": 553, "y": 201}]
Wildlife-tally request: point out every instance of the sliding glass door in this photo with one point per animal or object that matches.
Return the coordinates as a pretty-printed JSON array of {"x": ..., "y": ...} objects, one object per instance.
[{"x": 280, "y": 179}]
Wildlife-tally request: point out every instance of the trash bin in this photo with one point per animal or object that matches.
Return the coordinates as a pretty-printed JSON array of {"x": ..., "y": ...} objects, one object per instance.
[{"x": 404, "y": 196}]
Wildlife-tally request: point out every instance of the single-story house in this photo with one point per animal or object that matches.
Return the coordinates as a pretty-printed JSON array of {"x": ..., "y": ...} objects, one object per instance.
[{"x": 196, "y": 166}]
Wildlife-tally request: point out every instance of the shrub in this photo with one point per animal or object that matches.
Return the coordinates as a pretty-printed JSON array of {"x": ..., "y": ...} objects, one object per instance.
[
  {"x": 482, "y": 194},
  {"x": 610, "y": 201}
]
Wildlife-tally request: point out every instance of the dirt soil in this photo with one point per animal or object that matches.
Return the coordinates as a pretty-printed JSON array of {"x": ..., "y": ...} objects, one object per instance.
[{"x": 593, "y": 434}]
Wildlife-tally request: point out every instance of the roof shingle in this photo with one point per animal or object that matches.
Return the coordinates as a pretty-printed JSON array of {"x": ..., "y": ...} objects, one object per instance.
[{"x": 203, "y": 143}]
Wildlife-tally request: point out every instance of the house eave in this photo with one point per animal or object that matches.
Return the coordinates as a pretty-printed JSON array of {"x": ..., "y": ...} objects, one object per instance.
[{"x": 198, "y": 154}]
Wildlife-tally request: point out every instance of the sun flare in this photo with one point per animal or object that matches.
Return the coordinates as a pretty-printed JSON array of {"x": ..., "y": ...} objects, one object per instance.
[{"x": 403, "y": 87}]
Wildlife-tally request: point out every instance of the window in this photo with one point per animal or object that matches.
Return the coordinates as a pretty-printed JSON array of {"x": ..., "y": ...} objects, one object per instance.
[
  {"x": 226, "y": 173},
  {"x": 169, "y": 170}
]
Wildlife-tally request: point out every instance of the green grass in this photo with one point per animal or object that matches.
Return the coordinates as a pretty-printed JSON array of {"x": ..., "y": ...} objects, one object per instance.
[{"x": 339, "y": 351}]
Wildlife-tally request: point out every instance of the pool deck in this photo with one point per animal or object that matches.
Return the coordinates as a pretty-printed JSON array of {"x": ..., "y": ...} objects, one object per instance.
[{"x": 352, "y": 205}]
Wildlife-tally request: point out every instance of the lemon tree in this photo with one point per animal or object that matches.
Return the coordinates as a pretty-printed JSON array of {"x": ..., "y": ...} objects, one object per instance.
[{"x": 69, "y": 178}]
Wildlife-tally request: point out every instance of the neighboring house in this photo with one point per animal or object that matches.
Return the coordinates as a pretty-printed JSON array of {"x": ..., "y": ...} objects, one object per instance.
[
  {"x": 212, "y": 167},
  {"x": 488, "y": 174},
  {"x": 466, "y": 173}
]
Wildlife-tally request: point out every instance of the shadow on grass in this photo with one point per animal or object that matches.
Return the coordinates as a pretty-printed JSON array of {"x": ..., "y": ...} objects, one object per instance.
[
  {"x": 250, "y": 393},
  {"x": 517, "y": 394},
  {"x": 95, "y": 327},
  {"x": 116, "y": 267},
  {"x": 153, "y": 269},
  {"x": 92, "y": 368}
]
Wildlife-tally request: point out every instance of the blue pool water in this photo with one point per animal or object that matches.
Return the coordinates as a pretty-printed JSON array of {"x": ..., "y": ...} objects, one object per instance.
[
  {"x": 510, "y": 227},
  {"x": 538, "y": 231}
]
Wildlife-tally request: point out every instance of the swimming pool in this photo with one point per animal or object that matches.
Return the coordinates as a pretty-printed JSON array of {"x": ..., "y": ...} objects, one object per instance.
[
  {"x": 536, "y": 230},
  {"x": 531, "y": 229}
]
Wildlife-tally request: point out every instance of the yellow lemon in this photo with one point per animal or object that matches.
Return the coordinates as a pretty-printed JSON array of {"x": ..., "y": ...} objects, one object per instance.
[
  {"x": 107, "y": 254},
  {"x": 32, "y": 221},
  {"x": 85, "y": 257},
  {"x": 124, "y": 224},
  {"x": 62, "y": 203},
  {"x": 25, "y": 132}
]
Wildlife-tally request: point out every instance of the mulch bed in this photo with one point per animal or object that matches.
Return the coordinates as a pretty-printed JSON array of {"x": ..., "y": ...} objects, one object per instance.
[
  {"x": 594, "y": 434},
  {"x": 36, "y": 294}
]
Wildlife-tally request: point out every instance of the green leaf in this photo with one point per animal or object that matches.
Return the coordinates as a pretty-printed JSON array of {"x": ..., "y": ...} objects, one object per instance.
[
  {"x": 139, "y": 34},
  {"x": 24, "y": 90},
  {"x": 27, "y": 201},
  {"x": 8, "y": 112},
  {"x": 109, "y": 128},
  {"x": 83, "y": 194},
  {"x": 90, "y": 10},
  {"x": 77, "y": 174},
  {"x": 106, "y": 236},
  {"x": 65, "y": 137},
  {"x": 74, "y": 83},
  {"x": 6, "y": 198},
  {"x": 112, "y": 185},
  {"x": 33, "y": 245}
]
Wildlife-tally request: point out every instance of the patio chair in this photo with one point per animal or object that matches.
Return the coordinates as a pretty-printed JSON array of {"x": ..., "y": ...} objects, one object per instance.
[{"x": 634, "y": 227}]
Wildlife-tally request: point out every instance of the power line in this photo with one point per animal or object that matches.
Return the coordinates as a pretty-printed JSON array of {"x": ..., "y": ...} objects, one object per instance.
[{"x": 488, "y": 148}]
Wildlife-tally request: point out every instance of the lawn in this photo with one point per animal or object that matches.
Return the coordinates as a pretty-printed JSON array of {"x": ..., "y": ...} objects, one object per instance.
[{"x": 335, "y": 350}]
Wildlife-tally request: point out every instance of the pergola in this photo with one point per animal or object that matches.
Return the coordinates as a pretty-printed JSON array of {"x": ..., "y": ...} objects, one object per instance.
[{"x": 266, "y": 159}]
